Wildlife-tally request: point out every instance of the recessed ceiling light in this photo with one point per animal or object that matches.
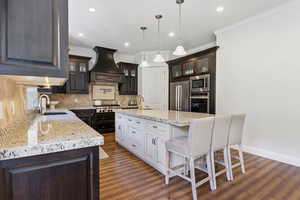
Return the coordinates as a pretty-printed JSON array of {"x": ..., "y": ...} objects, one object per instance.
[
  {"x": 126, "y": 44},
  {"x": 80, "y": 34},
  {"x": 92, "y": 9},
  {"x": 171, "y": 34},
  {"x": 220, "y": 9}
]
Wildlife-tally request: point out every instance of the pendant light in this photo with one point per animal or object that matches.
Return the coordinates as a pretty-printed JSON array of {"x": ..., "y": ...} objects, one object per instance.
[
  {"x": 179, "y": 51},
  {"x": 158, "y": 58},
  {"x": 144, "y": 62}
]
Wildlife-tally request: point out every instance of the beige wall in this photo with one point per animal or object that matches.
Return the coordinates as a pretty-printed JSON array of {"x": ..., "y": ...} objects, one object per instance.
[{"x": 12, "y": 101}]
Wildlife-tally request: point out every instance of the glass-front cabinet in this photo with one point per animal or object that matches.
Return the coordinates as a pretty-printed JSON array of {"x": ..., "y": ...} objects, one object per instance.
[
  {"x": 176, "y": 71},
  {"x": 188, "y": 68},
  {"x": 202, "y": 65}
]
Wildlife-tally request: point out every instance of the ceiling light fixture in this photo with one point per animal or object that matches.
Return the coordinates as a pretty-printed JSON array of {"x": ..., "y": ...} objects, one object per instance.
[
  {"x": 126, "y": 44},
  {"x": 171, "y": 34},
  {"x": 80, "y": 34},
  {"x": 158, "y": 58},
  {"x": 220, "y": 9},
  {"x": 92, "y": 9},
  {"x": 179, "y": 51},
  {"x": 144, "y": 62}
]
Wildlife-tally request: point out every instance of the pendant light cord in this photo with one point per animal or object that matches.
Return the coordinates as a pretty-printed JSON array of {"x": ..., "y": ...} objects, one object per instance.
[
  {"x": 180, "y": 24},
  {"x": 144, "y": 54},
  {"x": 158, "y": 30}
]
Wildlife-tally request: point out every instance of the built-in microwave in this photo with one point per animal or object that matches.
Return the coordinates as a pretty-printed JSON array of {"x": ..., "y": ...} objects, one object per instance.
[{"x": 200, "y": 83}]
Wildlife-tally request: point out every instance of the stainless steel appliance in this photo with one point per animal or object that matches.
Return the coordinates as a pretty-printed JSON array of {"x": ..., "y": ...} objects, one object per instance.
[
  {"x": 200, "y": 83},
  {"x": 180, "y": 96},
  {"x": 200, "y": 93},
  {"x": 200, "y": 102}
]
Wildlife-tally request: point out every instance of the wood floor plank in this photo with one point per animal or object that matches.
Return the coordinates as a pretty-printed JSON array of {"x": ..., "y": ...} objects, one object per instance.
[{"x": 123, "y": 176}]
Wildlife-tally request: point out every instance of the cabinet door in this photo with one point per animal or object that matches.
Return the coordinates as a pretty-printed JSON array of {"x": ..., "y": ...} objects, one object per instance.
[
  {"x": 202, "y": 65},
  {"x": 188, "y": 68},
  {"x": 133, "y": 82},
  {"x": 150, "y": 147},
  {"x": 176, "y": 71},
  {"x": 34, "y": 37},
  {"x": 81, "y": 82},
  {"x": 56, "y": 176},
  {"x": 161, "y": 151},
  {"x": 119, "y": 130},
  {"x": 72, "y": 82}
]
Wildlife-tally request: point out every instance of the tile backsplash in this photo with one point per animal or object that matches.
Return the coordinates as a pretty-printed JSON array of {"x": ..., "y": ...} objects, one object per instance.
[
  {"x": 12, "y": 102},
  {"x": 81, "y": 100}
]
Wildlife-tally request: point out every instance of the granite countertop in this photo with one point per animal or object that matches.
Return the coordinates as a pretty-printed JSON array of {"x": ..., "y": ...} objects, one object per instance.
[
  {"x": 176, "y": 118},
  {"x": 47, "y": 134}
]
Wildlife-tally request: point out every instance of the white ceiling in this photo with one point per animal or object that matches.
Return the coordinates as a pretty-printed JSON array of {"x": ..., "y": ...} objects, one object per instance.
[{"x": 118, "y": 21}]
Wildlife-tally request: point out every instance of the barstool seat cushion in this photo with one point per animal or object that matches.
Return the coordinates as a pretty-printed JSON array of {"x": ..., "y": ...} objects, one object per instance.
[{"x": 179, "y": 145}]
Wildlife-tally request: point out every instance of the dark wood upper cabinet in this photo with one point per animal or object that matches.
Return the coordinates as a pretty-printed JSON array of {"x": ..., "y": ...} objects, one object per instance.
[
  {"x": 78, "y": 82},
  {"x": 129, "y": 86},
  {"x": 195, "y": 64},
  {"x": 34, "y": 37}
]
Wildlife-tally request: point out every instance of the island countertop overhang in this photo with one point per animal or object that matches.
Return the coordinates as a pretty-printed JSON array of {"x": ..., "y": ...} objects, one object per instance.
[{"x": 175, "y": 118}]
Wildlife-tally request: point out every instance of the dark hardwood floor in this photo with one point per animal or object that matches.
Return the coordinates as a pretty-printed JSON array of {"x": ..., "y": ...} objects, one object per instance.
[{"x": 124, "y": 176}]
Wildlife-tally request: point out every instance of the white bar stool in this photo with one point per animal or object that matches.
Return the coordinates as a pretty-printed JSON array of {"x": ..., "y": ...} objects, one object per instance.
[
  {"x": 192, "y": 147},
  {"x": 235, "y": 139},
  {"x": 219, "y": 142}
]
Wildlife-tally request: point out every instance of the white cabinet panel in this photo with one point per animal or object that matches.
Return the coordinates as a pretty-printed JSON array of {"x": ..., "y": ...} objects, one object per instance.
[{"x": 150, "y": 147}]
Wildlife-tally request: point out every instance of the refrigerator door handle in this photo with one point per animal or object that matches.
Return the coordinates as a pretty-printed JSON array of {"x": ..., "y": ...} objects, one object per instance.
[{"x": 177, "y": 97}]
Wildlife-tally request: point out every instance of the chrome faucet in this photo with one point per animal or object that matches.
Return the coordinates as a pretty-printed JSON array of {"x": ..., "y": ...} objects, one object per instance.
[
  {"x": 141, "y": 101},
  {"x": 43, "y": 104}
]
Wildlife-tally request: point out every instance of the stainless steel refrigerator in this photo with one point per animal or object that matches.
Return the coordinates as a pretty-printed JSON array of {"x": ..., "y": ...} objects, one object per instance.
[{"x": 180, "y": 96}]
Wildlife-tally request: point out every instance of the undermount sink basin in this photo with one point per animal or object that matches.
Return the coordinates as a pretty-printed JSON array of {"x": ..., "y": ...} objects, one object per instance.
[{"x": 55, "y": 113}]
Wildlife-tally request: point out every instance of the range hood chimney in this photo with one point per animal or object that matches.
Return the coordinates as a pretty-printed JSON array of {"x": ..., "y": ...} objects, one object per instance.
[{"x": 105, "y": 68}]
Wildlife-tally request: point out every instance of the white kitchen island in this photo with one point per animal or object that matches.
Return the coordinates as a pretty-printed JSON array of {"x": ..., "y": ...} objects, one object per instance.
[{"x": 144, "y": 132}]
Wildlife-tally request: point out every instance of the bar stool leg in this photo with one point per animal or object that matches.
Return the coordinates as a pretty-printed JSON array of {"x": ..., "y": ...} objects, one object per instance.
[
  {"x": 186, "y": 167},
  {"x": 227, "y": 166},
  {"x": 229, "y": 162},
  {"x": 241, "y": 158},
  {"x": 168, "y": 159},
  {"x": 193, "y": 179},
  {"x": 211, "y": 172}
]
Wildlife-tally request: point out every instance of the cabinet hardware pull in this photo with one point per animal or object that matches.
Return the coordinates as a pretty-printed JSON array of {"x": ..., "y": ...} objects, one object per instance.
[
  {"x": 129, "y": 120},
  {"x": 138, "y": 122},
  {"x": 133, "y": 145},
  {"x": 133, "y": 132},
  {"x": 152, "y": 141},
  {"x": 154, "y": 126}
]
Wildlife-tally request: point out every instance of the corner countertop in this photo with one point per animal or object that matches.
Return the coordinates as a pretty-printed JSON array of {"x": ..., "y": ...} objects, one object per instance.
[
  {"x": 175, "y": 118},
  {"x": 47, "y": 134}
]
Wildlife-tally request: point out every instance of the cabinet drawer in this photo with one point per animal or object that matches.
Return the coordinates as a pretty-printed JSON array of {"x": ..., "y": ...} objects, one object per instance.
[
  {"x": 138, "y": 123},
  {"x": 157, "y": 127},
  {"x": 119, "y": 117},
  {"x": 135, "y": 134}
]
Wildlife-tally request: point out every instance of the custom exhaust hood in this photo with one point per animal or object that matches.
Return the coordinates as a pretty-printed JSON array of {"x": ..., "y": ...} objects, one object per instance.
[{"x": 105, "y": 68}]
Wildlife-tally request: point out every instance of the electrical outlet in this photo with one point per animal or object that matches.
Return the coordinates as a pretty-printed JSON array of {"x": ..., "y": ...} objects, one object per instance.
[
  {"x": 1, "y": 111},
  {"x": 76, "y": 100}
]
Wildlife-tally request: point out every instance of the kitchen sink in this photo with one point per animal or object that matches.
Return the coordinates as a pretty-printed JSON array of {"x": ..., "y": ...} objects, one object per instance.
[{"x": 55, "y": 113}]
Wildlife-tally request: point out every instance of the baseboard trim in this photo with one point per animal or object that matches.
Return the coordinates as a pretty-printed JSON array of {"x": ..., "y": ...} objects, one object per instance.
[{"x": 271, "y": 155}]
